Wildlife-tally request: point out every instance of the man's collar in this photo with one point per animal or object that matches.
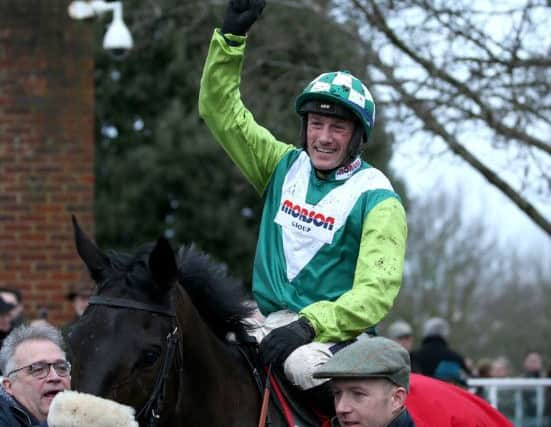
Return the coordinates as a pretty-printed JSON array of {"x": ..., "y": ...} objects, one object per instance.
[{"x": 341, "y": 173}]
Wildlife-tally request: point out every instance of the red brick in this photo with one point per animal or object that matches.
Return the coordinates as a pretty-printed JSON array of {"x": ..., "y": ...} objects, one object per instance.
[
  {"x": 7, "y": 276},
  {"x": 46, "y": 149},
  {"x": 30, "y": 257},
  {"x": 65, "y": 276}
]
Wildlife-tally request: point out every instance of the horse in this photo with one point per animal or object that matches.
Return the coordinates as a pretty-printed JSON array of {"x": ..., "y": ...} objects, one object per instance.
[{"x": 154, "y": 337}]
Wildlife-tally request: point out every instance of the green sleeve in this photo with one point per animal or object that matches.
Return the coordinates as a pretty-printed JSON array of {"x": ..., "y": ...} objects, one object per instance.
[
  {"x": 377, "y": 278},
  {"x": 251, "y": 147}
]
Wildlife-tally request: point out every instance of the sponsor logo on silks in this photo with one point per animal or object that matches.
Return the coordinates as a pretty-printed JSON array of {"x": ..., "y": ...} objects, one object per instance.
[
  {"x": 305, "y": 222},
  {"x": 308, "y": 216},
  {"x": 346, "y": 171}
]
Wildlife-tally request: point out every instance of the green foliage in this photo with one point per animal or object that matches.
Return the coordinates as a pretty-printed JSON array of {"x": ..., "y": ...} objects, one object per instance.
[{"x": 158, "y": 169}]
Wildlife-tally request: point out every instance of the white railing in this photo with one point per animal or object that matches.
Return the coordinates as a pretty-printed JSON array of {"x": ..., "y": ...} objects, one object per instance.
[{"x": 509, "y": 395}]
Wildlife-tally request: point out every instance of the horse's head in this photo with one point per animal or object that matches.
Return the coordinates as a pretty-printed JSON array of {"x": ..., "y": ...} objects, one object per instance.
[
  {"x": 123, "y": 347},
  {"x": 118, "y": 344}
]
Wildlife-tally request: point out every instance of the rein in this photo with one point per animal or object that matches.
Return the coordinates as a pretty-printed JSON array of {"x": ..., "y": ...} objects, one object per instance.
[{"x": 154, "y": 405}]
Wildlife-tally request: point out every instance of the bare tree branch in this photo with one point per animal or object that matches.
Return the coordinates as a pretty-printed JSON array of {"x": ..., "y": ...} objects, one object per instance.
[
  {"x": 462, "y": 74},
  {"x": 376, "y": 18},
  {"x": 432, "y": 123}
]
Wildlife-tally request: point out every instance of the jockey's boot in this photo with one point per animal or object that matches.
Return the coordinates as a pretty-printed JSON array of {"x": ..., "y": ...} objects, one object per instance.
[{"x": 321, "y": 399}]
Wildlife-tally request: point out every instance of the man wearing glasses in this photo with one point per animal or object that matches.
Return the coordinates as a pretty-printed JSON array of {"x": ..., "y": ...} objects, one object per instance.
[{"x": 35, "y": 371}]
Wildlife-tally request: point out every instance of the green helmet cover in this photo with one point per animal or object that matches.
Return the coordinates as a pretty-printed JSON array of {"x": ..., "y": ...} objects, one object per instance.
[{"x": 342, "y": 88}]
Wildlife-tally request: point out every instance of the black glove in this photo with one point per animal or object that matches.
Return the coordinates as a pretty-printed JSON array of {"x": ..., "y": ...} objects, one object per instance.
[
  {"x": 282, "y": 341},
  {"x": 241, "y": 15}
]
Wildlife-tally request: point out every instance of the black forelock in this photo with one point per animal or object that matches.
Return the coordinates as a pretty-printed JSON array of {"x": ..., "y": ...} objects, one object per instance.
[{"x": 131, "y": 270}]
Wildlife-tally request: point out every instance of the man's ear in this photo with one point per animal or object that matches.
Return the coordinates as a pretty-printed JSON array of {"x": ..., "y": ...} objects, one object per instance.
[
  {"x": 398, "y": 398},
  {"x": 6, "y": 383}
]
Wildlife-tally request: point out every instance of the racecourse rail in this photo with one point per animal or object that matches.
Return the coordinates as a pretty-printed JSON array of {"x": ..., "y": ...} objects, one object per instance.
[{"x": 509, "y": 394}]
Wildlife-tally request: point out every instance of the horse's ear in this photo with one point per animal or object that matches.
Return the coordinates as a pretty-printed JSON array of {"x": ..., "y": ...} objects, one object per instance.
[
  {"x": 162, "y": 264},
  {"x": 94, "y": 259}
]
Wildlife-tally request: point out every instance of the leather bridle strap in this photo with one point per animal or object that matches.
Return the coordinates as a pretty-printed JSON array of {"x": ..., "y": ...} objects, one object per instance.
[
  {"x": 154, "y": 405},
  {"x": 133, "y": 305}
]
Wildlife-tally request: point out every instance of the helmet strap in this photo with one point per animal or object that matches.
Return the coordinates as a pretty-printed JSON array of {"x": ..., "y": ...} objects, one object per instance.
[
  {"x": 355, "y": 144},
  {"x": 304, "y": 132}
]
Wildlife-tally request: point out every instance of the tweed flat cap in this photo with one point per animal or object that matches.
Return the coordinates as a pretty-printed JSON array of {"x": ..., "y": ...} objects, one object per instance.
[{"x": 376, "y": 357}]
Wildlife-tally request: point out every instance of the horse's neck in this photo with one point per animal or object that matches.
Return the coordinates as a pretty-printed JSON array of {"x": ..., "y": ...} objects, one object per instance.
[
  {"x": 228, "y": 392},
  {"x": 198, "y": 338}
]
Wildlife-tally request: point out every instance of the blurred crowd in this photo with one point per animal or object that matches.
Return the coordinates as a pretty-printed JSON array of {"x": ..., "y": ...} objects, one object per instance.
[
  {"x": 434, "y": 356},
  {"x": 12, "y": 309}
]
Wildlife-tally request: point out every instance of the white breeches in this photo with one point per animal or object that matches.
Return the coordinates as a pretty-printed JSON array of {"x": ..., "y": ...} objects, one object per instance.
[{"x": 301, "y": 363}]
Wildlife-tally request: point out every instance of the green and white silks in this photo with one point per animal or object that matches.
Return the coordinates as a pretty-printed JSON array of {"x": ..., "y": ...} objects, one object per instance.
[{"x": 345, "y": 272}]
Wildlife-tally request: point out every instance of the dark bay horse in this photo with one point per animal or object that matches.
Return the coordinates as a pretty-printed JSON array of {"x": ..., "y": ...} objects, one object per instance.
[{"x": 153, "y": 338}]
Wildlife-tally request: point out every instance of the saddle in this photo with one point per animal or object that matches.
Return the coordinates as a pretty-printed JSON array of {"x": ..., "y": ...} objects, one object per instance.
[{"x": 297, "y": 407}]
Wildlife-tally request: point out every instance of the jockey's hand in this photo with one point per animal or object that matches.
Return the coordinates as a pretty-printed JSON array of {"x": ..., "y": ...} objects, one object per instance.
[
  {"x": 241, "y": 15},
  {"x": 282, "y": 341}
]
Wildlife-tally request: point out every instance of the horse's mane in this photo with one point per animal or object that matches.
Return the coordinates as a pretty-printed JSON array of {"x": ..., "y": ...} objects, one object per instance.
[{"x": 222, "y": 300}]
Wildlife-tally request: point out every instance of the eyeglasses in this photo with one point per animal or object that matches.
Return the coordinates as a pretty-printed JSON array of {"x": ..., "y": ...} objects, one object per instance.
[{"x": 40, "y": 370}]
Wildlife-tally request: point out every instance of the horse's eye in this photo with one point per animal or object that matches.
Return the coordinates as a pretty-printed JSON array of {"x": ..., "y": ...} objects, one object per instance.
[{"x": 148, "y": 358}]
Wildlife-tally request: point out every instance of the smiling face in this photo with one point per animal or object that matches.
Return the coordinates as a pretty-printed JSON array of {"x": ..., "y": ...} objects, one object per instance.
[
  {"x": 328, "y": 138},
  {"x": 367, "y": 402},
  {"x": 36, "y": 394}
]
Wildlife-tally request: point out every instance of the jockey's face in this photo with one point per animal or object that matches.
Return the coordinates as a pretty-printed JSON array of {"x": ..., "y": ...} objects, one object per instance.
[
  {"x": 327, "y": 139},
  {"x": 367, "y": 402}
]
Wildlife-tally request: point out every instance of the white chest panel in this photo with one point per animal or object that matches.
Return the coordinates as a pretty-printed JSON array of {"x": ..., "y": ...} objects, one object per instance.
[{"x": 306, "y": 227}]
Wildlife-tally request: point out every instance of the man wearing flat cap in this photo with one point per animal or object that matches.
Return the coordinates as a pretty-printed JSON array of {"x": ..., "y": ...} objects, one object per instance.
[{"x": 370, "y": 383}]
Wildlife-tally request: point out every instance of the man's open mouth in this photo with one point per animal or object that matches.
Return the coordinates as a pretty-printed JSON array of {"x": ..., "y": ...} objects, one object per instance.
[{"x": 51, "y": 394}]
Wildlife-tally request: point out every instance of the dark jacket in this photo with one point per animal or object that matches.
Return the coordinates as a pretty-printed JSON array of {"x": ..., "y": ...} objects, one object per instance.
[
  {"x": 403, "y": 420},
  {"x": 433, "y": 350},
  {"x": 13, "y": 414}
]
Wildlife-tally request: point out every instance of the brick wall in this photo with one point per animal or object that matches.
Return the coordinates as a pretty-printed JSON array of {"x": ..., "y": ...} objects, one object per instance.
[{"x": 46, "y": 150}]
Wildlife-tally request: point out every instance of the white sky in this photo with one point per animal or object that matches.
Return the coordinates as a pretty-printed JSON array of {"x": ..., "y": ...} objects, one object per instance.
[
  {"x": 481, "y": 199},
  {"x": 425, "y": 164}
]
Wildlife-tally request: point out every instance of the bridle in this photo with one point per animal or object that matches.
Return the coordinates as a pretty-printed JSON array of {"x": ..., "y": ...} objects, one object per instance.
[{"x": 153, "y": 407}]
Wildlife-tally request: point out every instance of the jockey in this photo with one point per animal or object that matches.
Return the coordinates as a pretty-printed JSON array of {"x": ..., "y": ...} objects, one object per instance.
[{"x": 332, "y": 238}]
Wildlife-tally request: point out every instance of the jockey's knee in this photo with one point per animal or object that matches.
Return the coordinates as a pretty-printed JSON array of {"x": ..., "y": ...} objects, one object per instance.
[{"x": 301, "y": 364}]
